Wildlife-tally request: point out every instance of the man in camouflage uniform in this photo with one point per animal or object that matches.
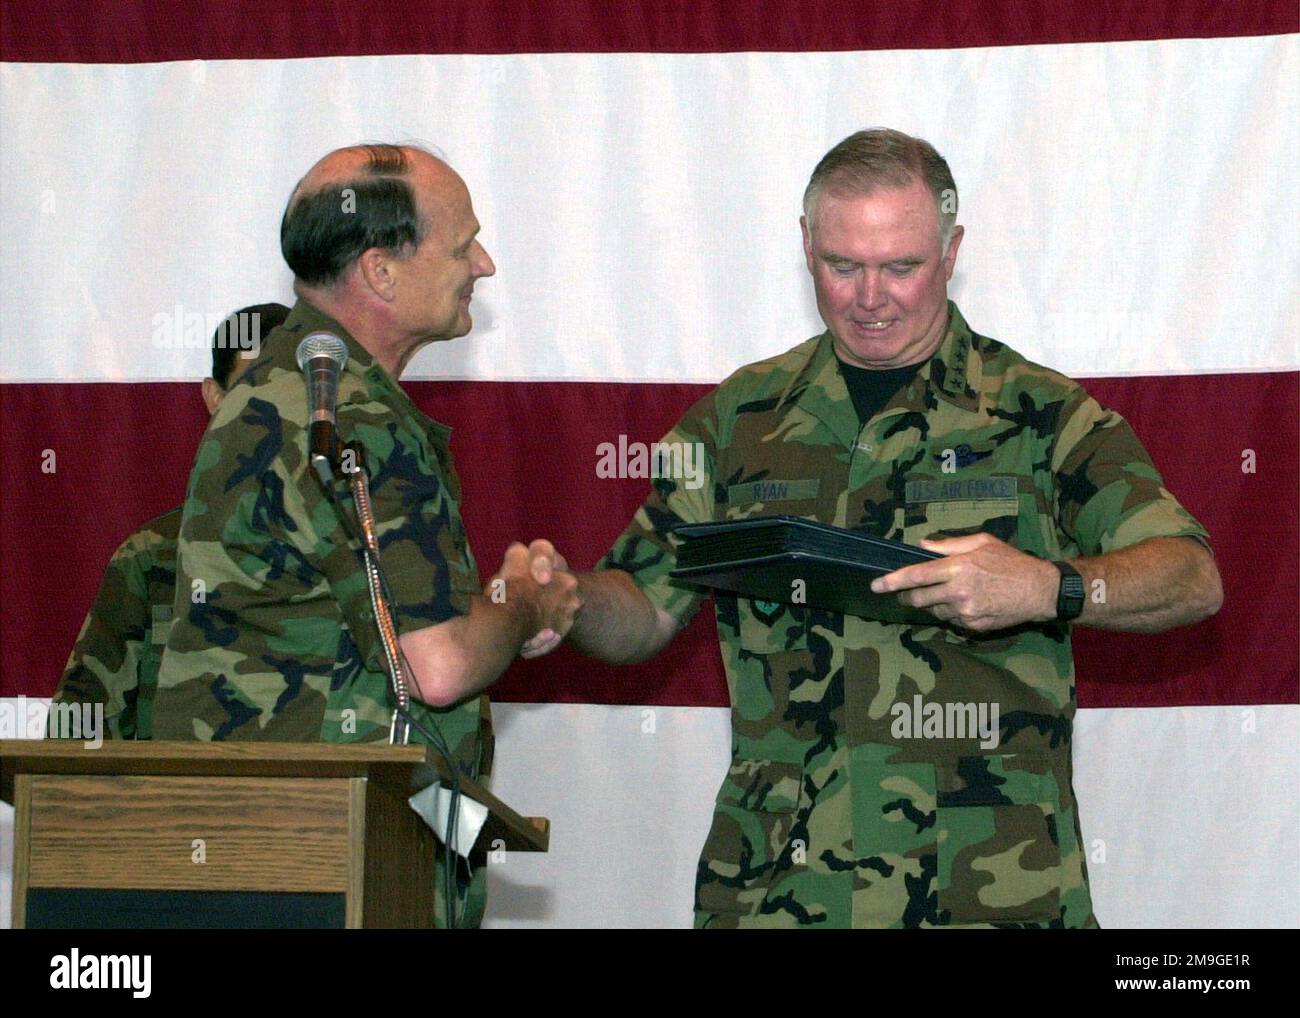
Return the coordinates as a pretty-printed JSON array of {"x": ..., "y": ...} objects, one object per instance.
[
  {"x": 841, "y": 806},
  {"x": 115, "y": 659},
  {"x": 273, "y": 635}
]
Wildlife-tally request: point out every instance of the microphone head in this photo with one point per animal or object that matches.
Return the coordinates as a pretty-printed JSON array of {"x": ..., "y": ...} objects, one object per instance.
[{"x": 322, "y": 344}]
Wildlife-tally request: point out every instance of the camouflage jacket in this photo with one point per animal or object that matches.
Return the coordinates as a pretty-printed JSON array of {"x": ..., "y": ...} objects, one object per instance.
[
  {"x": 273, "y": 634},
  {"x": 115, "y": 659},
  {"x": 848, "y": 802}
]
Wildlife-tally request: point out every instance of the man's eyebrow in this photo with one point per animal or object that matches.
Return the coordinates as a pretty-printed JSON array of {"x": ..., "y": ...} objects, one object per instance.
[
  {"x": 905, "y": 262},
  {"x": 468, "y": 240}
]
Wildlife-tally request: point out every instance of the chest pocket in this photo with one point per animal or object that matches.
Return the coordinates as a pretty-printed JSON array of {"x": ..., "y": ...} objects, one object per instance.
[
  {"x": 936, "y": 520},
  {"x": 936, "y": 509},
  {"x": 958, "y": 508}
]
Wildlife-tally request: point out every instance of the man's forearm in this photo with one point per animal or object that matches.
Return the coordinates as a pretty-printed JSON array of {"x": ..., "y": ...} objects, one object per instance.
[
  {"x": 617, "y": 622},
  {"x": 1153, "y": 586},
  {"x": 463, "y": 656},
  {"x": 984, "y": 584}
]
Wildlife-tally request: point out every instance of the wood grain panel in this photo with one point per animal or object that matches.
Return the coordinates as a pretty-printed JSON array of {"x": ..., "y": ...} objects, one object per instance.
[
  {"x": 286, "y": 835},
  {"x": 399, "y": 864},
  {"x": 354, "y": 909},
  {"x": 22, "y": 822}
]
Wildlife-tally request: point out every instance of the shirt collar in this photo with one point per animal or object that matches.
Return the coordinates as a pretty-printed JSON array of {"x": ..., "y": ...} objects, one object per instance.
[
  {"x": 306, "y": 318},
  {"x": 953, "y": 373}
]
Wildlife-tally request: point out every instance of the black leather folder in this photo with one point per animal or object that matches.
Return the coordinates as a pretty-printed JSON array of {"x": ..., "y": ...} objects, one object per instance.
[{"x": 762, "y": 558}]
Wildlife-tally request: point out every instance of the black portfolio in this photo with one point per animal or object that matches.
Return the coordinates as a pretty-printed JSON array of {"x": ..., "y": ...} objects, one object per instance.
[{"x": 798, "y": 561}]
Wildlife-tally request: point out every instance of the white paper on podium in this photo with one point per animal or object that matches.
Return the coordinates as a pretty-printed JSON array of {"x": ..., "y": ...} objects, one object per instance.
[{"x": 434, "y": 806}]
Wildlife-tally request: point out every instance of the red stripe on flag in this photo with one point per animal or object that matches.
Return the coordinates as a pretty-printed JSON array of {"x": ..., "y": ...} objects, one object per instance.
[
  {"x": 526, "y": 453},
  {"x": 157, "y": 30}
]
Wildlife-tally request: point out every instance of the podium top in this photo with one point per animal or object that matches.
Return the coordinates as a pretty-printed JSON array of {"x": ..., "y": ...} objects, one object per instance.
[
  {"x": 406, "y": 769},
  {"x": 271, "y": 759}
]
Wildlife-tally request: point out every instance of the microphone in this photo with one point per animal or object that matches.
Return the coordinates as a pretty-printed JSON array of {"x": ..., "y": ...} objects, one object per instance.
[{"x": 321, "y": 356}]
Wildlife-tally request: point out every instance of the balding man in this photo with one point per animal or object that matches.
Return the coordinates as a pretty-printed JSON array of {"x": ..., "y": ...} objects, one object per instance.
[
  {"x": 890, "y": 774},
  {"x": 273, "y": 634}
]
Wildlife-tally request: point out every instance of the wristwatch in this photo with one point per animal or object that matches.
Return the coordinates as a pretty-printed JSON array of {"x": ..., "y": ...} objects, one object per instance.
[{"x": 1069, "y": 596}]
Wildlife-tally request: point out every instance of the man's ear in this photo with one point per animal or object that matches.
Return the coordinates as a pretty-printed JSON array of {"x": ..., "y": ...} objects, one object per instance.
[
  {"x": 950, "y": 256},
  {"x": 807, "y": 242},
  {"x": 212, "y": 394},
  {"x": 376, "y": 268}
]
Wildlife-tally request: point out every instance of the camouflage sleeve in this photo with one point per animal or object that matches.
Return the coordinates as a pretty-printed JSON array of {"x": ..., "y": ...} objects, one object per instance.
[
  {"x": 426, "y": 563},
  {"x": 105, "y": 661},
  {"x": 646, "y": 550},
  {"x": 1109, "y": 495}
]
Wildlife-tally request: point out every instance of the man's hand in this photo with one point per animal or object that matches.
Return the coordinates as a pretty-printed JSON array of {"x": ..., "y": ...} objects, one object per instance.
[
  {"x": 616, "y": 622},
  {"x": 549, "y": 574},
  {"x": 981, "y": 584},
  {"x": 545, "y": 564},
  {"x": 539, "y": 572},
  {"x": 544, "y": 561}
]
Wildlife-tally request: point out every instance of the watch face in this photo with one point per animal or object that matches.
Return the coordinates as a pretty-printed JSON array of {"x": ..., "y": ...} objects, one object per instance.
[{"x": 1069, "y": 598}]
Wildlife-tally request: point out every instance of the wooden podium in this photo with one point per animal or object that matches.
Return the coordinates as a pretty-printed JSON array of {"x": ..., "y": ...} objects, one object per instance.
[{"x": 230, "y": 833}]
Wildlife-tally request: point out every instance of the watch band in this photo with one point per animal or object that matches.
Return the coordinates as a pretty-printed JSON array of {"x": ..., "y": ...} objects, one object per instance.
[{"x": 1069, "y": 596}]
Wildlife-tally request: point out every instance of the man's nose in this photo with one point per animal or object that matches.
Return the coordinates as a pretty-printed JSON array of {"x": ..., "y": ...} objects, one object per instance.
[
  {"x": 870, "y": 293},
  {"x": 483, "y": 264}
]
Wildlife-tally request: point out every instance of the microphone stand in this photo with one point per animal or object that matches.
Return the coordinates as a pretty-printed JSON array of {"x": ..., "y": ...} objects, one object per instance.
[{"x": 399, "y": 731}]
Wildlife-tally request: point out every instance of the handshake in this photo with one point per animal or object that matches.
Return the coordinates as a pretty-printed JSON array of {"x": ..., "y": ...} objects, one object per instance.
[{"x": 537, "y": 578}]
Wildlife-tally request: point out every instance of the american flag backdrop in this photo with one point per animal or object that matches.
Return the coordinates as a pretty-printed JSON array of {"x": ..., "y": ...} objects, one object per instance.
[{"x": 1128, "y": 188}]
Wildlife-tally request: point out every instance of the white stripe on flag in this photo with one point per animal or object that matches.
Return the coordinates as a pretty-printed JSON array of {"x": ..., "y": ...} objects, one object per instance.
[{"x": 1125, "y": 203}]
